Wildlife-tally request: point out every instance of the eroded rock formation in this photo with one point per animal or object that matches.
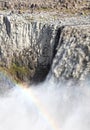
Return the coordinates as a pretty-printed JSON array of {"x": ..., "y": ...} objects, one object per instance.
[
  {"x": 29, "y": 50},
  {"x": 26, "y": 47}
]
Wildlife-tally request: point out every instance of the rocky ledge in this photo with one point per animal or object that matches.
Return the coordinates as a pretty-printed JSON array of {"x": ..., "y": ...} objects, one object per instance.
[{"x": 32, "y": 45}]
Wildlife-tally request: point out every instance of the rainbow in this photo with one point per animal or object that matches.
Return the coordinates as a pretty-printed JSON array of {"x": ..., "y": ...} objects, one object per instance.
[
  {"x": 47, "y": 117},
  {"x": 30, "y": 94}
]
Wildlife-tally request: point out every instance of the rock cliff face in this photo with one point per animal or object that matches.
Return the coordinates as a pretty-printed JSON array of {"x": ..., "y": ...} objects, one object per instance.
[{"x": 28, "y": 49}]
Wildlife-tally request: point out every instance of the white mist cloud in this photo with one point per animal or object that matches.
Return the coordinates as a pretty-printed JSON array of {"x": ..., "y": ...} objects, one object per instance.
[{"x": 49, "y": 107}]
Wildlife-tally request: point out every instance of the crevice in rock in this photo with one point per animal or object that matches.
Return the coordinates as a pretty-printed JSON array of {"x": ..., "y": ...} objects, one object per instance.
[
  {"x": 57, "y": 38},
  {"x": 8, "y": 25},
  {"x": 42, "y": 71},
  {"x": 41, "y": 74}
]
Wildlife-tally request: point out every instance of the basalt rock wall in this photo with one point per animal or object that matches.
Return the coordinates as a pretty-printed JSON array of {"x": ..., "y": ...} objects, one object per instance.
[
  {"x": 27, "y": 46},
  {"x": 31, "y": 50}
]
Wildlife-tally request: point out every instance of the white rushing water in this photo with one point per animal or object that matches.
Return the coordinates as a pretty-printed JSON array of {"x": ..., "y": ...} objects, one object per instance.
[{"x": 46, "y": 107}]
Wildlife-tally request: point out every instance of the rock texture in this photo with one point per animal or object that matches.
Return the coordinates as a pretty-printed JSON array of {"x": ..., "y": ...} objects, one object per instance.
[
  {"x": 29, "y": 48},
  {"x": 73, "y": 53},
  {"x": 78, "y": 5}
]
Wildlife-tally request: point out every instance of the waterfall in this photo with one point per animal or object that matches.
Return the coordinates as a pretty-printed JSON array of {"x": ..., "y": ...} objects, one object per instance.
[
  {"x": 32, "y": 49},
  {"x": 53, "y": 62}
]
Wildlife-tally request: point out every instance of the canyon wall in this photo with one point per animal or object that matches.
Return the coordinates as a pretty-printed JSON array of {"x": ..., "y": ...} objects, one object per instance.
[
  {"x": 26, "y": 46},
  {"x": 30, "y": 50}
]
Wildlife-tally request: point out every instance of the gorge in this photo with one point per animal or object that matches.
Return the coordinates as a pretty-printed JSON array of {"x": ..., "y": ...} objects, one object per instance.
[
  {"x": 44, "y": 72},
  {"x": 29, "y": 48}
]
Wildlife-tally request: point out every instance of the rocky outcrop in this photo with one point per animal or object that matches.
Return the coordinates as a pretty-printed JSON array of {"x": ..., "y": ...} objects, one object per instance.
[{"x": 28, "y": 49}]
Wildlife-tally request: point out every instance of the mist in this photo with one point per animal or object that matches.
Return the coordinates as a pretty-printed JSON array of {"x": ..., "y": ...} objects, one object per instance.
[{"x": 47, "y": 106}]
